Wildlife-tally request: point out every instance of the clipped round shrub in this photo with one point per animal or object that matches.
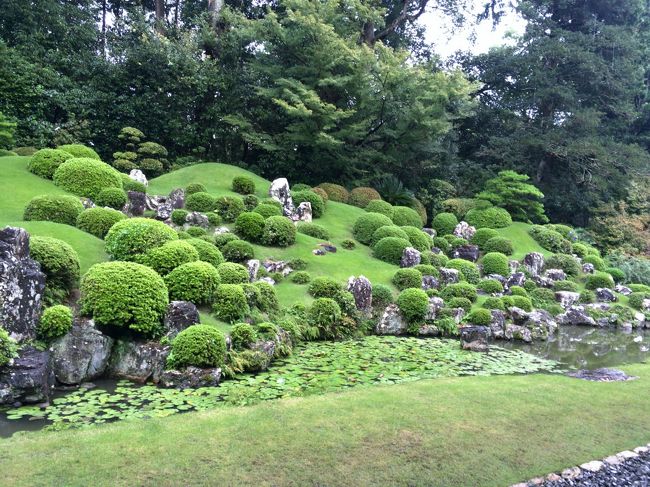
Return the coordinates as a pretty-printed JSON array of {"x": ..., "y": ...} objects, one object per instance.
[
  {"x": 79, "y": 150},
  {"x": 230, "y": 303},
  {"x": 250, "y": 202},
  {"x": 482, "y": 236},
  {"x": 124, "y": 295},
  {"x": 479, "y": 317},
  {"x": 111, "y": 197},
  {"x": 198, "y": 346},
  {"x": 59, "y": 262},
  {"x": 178, "y": 217},
  {"x": 636, "y": 299},
  {"x": 222, "y": 239},
  {"x": 403, "y": 216},
  {"x": 53, "y": 208},
  {"x": 587, "y": 296},
  {"x": 565, "y": 286},
  {"x": 362, "y": 196},
  {"x": 529, "y": 285},
  {"x": 229, "y": 208},
  {"x": 324, "y": 287},
  {"x": 499, "y": 244},
  {"x": 300, "y": 277},
  {"x": 456, "y": 242},
  {"x": 598, "y": 263},
  {"x": 405, "y": 278},
  {"x": 195, "y": 188},
  {"x": 129, "y": 184},
  {"x": 417, "y": 205},
  {"x": 317, "y": 203},
  {"x": 214, "y": 219},
  {"x": 238, "y": 251},
  {"x": 8, "y": 347},
  {"x": 366, "y": 225},
  {"x": 268, "y": 300},
  {"x": 267, "y": 210},
  {"x": 550, "y": 239},
  {"x": 98, "y": 221},
  {"x": 313, "y": 230},
  {"x": 243, "y": 185},
  {"x": 599, "y": 279},
  {"x": 459, "y": 290},
  {"x": 324, "y": 313},
  {"x": 413, "y": 303},
  {"x": 134, "y": 236},
  {"x": 580, "y": 249},
  {"x": 25, "y": 151},
  {"x": 301, "y": 187},
  {"x": 196, "y": 232},
  {"x": 494, "y": 303},
  {"x": 250, "y": 226},
  {"x": 427, "y": 270},
  {"x": 442, "y": 244},
  {"x": 335, "y": 192},
  {"x": 319, "y": 191},
  {"x": 490, "y": 286},
  {"x": 86, "y": 177},
  {"x": 279, "y": 231},
  {"x": 44, "y": 162},
  {"x": 438, "y": 260},
  {"x": 390, "y": 249},
  {"x": 639, "y": 288},
  {"x": 542, "y": 297},
  {"x": 151, "y": 167},
  {"x": 519, "y": 302},
  {"x": 464, "y": 303},
  {"x": 124, "y": 165},
  {"x": 518, "y": 291},
  {"x": 419, "y": 240},
  {"x": 203, "y": 202},
  {"x": 56, "y": 321},
  {"x": 566, "y": 262},
  {"x": 496, "y": 263},
  {"x": 348, "y": 244},
  {"x": 298, "y": 264},
  {"x": 444, "y": 223},
  {"x": 469, "y": 271},
  {"x": 387, "y": 231},
  {"x": 232, "y": 273},
  {"x": 207, "y": 252},
  {"x": 242, "y": 335},
  {"x": 169, "y": 256},
  {"x": 252, "y": 294},
  {"x": 493, "y": 217},
  {"x": 382, "y": 295},
  {"x": 194, "y": 281},
  {"x": 379, "y": 206},
  {"x": 617, "y": 274}
]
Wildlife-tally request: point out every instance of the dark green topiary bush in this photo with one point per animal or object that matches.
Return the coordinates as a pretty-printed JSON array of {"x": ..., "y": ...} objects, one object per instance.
[
  {"x": 379, "y": 206},
  {"x": 199, "y": 346},
  {"x": 413, "y": 303},
  {"x": 8, "y": 347},
  {"x": 317, "y": 203},
  {"x": 203, "y": 202},
  {"x": 169, "y": 256},
  {"x": 279, "y": 231},
  {"x": 404, "y": 216},
  {"x": 438, "y": 260},
  {"x": 599, "y": 279},
  {"x": 207, "y": 252},
  {"x": 178, "y": 217},
  {"x": 442, "y": 244},
  {"x": 238, "y": 251},
  {"x": 86, "y": 177},
  {"x": 390, "y": 249},
  {"x": 313, "y": 230},
  {"x": 135, "y": 236},
  {"x": 230, "y": 303},
  {"x": 617, "y": 274},
  {"x": 479, "y": 317},
  {"x": 518, "y": 291},
  {"x": 482, "y": 235},
  {"x": 229, "y": 208},
  {"x": 598, "y": 263},
  {"x": 444, "y": 223},
  {"x": 98, "y": 221},
  {"x": 387, "y": 231},
  {"x": 565, "y": 286},
  {"x": 542, "y": 297},
  {"x": 419, "y": 240},
  {"x": 250, "y": 226},
  {"x": 56, "y": 321},
  {"x": 60, "y": 264},
  {"x": 300, "y": 277},
  {"x": 268, "y": 300},
  {"x": 195, "y": 188},
  {"x": 46, "y": 161},
  {"x": 382, "y": 295},
  {"x": 196, "y": 232},
  {"x": 267, "y": 210},
  {"x": 324, "y": 287},
  {"x": 367, "y": 224},
  {"x": 494, "y": 303},
  {"x": 493, "y": 217},
  {"x": 550, "y": 239},
  {"x": 586, "y": 296},
  {"x": 362, "y": 196},
  {"x": 232, "y": 273},
  {"x": 243, "y": 185},
  {"x": 79, "y": 150},
  {"x": 428, "y": 270},
  {"x": 194, "y": 281},
  {"x": 214, "y": 219},
  {"x": 496, "y": 263},
  {"x": 637, "y": 298},
  {"x": 54, "y": 208},
  {"x": 124, "y": 295},
  {"x": 242, "y": 336},
  {"x": 490, "y": 286},
  {"x": 469, "y": 270},
  {"x": 580, "y": 249},
  {"x": 111, "y": 197},
  {"x": 405, "y": 278},
  {"x": 459, "y": 290},
  {"x": 518, "y": 302},
  {"x": 222, "y": 239},
  {"x": 335, "y": 192},
  {"x": 250, "y": 202},
  {"x": 129, "y": 184},
  {"x": 325, "y": 314},
  {"x": 567, "y": 263},
  {"x": 499, "y": 244}
]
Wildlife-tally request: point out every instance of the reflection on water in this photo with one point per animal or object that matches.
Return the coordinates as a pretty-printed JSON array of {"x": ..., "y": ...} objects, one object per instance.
[{"x": 585, "y": 347}]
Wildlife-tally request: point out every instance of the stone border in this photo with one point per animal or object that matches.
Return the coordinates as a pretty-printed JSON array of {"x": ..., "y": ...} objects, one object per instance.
[{"x": 575, "y": 473}]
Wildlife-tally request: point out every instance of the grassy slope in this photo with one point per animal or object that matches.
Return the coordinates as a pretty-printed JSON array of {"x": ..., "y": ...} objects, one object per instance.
[
  {"x": 479, "y": 431},
  {"x": 18, "y": 186},
  {"x": 523, "y": 243}
]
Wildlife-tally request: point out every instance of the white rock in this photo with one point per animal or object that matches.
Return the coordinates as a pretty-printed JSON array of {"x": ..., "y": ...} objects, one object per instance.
[
  {"x": 138, "y": 176},
  {"x": 593, "y": 466}
]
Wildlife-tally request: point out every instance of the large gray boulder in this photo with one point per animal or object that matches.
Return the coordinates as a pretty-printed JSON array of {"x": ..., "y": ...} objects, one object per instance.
[
  {"x": 176, "y": 198},
  {"x": 464, "y": 230},
  {"x": 180, "y": 315},
  {"x": 138, "y": 361},
  {"x": 588, "y": 268},
  {"x": 541, "y": 324},
  {"x": 435, "y": 305},
  {"x": 575, "y": 316},
  {"x": 430, "y": 282},
  {"x": 164, "y": 211},
  {"x": 281, "y": 192},
  {"x": 28, "y": 379},
  {"x": 21, "y": 285},
  {"x": 410, "y": 257},
  {"x": 190, "y": 378},
  {"x": 516, "y": 279},
  {"x": 567, "y": 298},
  {"x": 197, "y": 219},
  {"x": 138, "y": 176},
  {"x": 449, "y": 276},
  {"x": 498, "y": 323},
  {"x": 605, "y": 295},
  {"x": 392, "y": 322},
  {"x": 253, "y": 266},
  {"x": 466, "y": 252},
  {"x": 81, "y": 355},
  {"x": 474, "y": 338},
  {"x": 303, "y": 213},
  {"x": 136, "y": 204},
  {"x": 533, "y": 263},
  {"x": 516, "y": 332},
  {"x": 624, "y": 290},
  {"x": 555, "y": 274},
  {"x": 361, "y": 289}
]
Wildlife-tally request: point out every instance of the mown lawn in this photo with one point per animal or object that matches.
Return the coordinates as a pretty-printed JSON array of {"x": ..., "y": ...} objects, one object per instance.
[{"x": 472, "y": 431}]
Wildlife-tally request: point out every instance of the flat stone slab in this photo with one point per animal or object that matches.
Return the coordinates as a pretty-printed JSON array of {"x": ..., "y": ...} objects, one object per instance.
[{"x": 602, "y": 375}]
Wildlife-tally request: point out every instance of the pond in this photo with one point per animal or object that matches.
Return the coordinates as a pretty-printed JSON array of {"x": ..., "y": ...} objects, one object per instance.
[{"x": 314, "y": 368}]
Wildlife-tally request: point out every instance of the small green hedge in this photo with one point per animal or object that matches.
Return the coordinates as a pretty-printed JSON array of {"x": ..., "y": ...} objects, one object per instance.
[
  {"x": 229, "y": 208},
  {"x": 242, "y": 335},
  {"x": 479, "y": 317},
  {"x": 232, "y": 273},
  {"x": 566, "y": 262},
  {"x": 413, "y": 303},
  {"x": 44, "y": 162},
  {"x": 459, "y": 290},
  {"x": 250, "y": 226},
  {"x": 335, "y": 192},
  {"x": 390, "y": 249},
  {"x": 496, "y": 263},
  {"x": 404, "y": 216},
  {"x": 379, "y": 206},
  {"x": 317, "y": 203},
  {"x": 135, "y": 236},
  {"x": 267, "y": 210},
  {"x": 360, "y": 197},
  {"x": 98, "y": 221},
  {"x": 59, "y": 262},
  {"x": 199, "y": 346},
  {"x": 499, "y": 244},
  {"x": 230, "y": 303},
  {"x": 243, "y": 185},
  {"x": 406, "y": 278},
  {"x": 79, "y": 150},
  {"x": 637, "y": 298},
  {"x": 550, "y": 239},
  {"x": 54, "y": 208},
  {"x": 444, "y": 223},
  {"x": 490, "y": 286},
  {"x": 518, "y": 301},
  {"x": 238, "y": 251},
  {"x": 387, "y": 231},
  {"x": 599, "y": 279},
  {"x": 367, "y": 224},
  {"x": 324, "y": 287},
  {"x": 483, "y": 235},
  {"x": 169, "y": 256},
  {"x": 56, "y": 321},
  {"x": 207, "y": 252},
  {"x": 195, "y": 188},
  {"x": 112, "y": 197},
  {"x": 313, "y": 230},
  {"x": 279, "y": 231},
  {"x": 178, "y": 217},
  {"x": 325, "y": 314},
  {"x": 86, "y": 177},
  {"x": 202, "y": 202},
  {"x": 469, "y": 271},
  {"x": 493, "y": 217},
  {"x": 194, "y": 281},
  {"x": 419, "y": 240}
]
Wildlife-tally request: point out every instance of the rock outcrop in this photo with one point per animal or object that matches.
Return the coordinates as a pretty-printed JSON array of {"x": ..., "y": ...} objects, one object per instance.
[
  {"x": 474, "y": 338},
  {"x": 410, "y": 257},
  {"x": 29, "y": 379},
  {"x": 180, "y": 315},
  {"x": 533, "y": 263},
  {"x": 392, "y": 322},
  {"x": 361, "y": 289},
  {"x": 138, "y": 361}
]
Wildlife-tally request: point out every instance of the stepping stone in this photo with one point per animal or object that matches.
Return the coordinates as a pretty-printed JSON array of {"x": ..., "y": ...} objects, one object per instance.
[{"x": 593, "y": 466}]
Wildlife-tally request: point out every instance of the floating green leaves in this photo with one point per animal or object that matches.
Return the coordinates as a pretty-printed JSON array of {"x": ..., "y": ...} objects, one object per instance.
[{"x": 314, "y": 368}]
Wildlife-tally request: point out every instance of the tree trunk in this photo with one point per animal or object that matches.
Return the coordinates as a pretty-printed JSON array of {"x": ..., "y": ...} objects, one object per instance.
[
  {"x": 214, "y": 8},
  {"x": 160, "y": 15},
  {"x": 104, "y": 28}
]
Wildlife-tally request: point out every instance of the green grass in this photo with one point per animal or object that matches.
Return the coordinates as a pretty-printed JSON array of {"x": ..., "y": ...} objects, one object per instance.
[
  {"x": 522, "y": 242},
  {"x": 478, "y": 431}
]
